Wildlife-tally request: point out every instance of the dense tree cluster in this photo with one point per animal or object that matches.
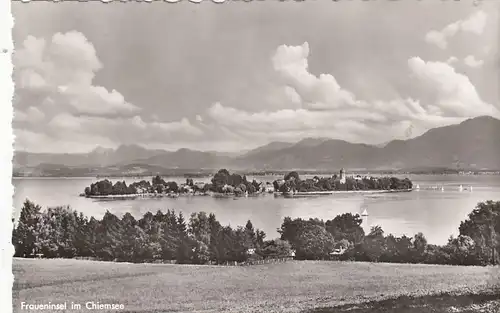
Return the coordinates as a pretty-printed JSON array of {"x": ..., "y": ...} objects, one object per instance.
[
  {"x": 225, "y": 182},
  {"x": 156, "y": 186},
  {"x": 64, "y": 233},
  {"x": 106, "y": 187},
  {"x": 316, "y": 239},
  {"x": 292, "y": 182}
]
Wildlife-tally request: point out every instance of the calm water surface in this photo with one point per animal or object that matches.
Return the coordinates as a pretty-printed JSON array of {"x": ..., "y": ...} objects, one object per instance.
[{"x": 435, "y": 213}]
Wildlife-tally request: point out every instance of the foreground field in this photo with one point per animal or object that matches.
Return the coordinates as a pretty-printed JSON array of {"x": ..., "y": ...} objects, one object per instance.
[{"x": 288, "y": 287}]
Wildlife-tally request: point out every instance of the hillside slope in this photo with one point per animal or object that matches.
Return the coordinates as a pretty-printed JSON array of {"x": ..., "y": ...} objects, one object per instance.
[{"x": 474, "y": 143}]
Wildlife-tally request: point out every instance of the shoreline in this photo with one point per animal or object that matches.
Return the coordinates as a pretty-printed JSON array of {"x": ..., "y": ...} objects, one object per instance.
[
  {"x": 332, "y": 192},
  {"x": 142, "y": 195},
  {"x": 230, "y": 195},
  {"x": 154, "y": 195}
]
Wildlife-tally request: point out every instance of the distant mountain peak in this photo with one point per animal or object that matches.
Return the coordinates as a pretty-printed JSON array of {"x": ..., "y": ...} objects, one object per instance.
[
  {"x": 102, "y": 150},
  {"x": 272, "y": 146},
  {"x": 130, "y": 147},
  {"x": 311, "y": 141},
  {"x": 185, "y": 150},
  {"x": 481, "y": 119}
]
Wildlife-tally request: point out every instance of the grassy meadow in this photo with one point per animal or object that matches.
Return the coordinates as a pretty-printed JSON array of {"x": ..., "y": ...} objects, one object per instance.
[{"x": 297, "y": 286}]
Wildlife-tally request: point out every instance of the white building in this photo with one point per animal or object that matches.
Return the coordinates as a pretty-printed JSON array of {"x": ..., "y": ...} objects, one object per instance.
[
  {"x": 364, "y": 223},
  {"x": 338, "y": 251}
]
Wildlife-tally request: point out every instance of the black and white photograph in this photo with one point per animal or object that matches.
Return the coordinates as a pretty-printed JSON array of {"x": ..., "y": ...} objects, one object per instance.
[{"x": 255, "y": 156}]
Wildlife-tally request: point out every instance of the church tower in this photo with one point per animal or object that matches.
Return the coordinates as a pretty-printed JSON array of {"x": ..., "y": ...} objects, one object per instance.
[{"x": 342, "y": 176}]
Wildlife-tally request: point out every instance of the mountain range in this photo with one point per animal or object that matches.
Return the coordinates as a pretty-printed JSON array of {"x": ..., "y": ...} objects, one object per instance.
[{"x": 474, "y": 143}]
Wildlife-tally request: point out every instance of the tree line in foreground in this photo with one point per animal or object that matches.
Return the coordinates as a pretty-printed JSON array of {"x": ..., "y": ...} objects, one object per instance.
[{"x": 61, "y": 232}]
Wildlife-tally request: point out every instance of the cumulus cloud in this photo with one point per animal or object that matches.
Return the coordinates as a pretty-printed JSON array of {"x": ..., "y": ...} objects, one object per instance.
[
  {"x": 97, "y": 100},
  {"x": 123, "y": 130},
  {"x": 471, "y": 61},
  {"x": 42, "y": 142},
  {"x": 452, "y": 60},
  {"x": 322, "y": 93},
  {"x": 55, "y": 81},
  {"x": 475, "y": 23},
  {"x": 328, "y": 109},
  {"x": 64, "y": 69},
  {"x": 31, "y": 115},
  {"x": 292, "y": 95},
  {"x": 440, "y": 38},
  {"x": 285, "y": 97},
  {"x": 69, "y": 133},
  {"x": 453, "y": 92}
]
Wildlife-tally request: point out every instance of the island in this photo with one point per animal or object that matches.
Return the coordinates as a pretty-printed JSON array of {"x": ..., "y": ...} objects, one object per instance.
[
  {"x": 222, "y": 184},
  {"x": 293, "y": 185}
]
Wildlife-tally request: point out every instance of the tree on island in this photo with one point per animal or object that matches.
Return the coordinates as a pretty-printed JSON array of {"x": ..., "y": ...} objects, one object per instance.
[
  {"x": 220, "y": 179},
  {"x": 157, "y": 180},
  {"x": 292, "y": 175},
  {"x": 224, "y": 182}
]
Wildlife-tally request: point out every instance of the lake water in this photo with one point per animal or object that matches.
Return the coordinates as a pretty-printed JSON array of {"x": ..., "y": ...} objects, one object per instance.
[{"x": 435, "y": 213}]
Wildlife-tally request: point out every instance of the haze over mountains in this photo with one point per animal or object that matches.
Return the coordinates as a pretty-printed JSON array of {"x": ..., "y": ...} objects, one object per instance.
[{"x": 474, "y": 143}]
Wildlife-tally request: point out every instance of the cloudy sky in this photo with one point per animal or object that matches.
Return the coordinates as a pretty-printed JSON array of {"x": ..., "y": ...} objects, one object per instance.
[{"x": 237, "y": 75}]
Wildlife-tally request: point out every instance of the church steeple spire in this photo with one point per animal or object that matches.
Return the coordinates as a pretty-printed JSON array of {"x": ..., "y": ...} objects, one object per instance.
[{"x": 342, "y": 176}]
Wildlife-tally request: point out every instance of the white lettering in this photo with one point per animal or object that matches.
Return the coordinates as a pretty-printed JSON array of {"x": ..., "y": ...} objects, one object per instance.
[
  {"x": 43, "y": 306},
  {"x": 91, "y": 305}
]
